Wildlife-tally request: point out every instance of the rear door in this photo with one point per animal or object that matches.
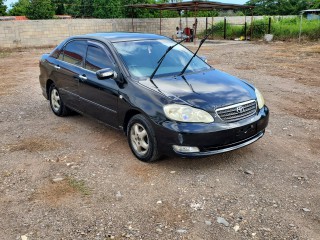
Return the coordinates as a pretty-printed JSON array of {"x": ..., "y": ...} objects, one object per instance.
[
  {"x": 99, "y": 97},
  {"x": 68, "y": 67}
]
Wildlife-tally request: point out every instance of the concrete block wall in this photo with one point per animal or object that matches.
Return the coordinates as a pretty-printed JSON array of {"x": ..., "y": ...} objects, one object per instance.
[{"x": 39, "y": 33}]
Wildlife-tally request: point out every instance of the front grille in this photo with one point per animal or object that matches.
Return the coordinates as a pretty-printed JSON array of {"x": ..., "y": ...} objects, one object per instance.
[{"x": 238, "y": 111}]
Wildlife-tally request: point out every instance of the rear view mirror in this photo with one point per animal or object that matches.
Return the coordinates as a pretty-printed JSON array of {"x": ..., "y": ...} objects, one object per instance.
[{"x": 106, "y": 73}]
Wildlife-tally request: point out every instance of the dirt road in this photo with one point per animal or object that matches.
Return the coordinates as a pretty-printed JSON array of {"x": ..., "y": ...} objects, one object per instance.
[{"x": 74, "y": 178}]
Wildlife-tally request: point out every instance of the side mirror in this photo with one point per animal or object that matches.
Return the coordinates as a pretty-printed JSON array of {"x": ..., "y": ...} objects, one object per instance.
[{"x": 106, "y": 73}]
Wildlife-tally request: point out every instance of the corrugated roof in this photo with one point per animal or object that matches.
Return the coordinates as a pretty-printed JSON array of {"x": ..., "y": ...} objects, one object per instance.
[{"x": 311, "y": 10}]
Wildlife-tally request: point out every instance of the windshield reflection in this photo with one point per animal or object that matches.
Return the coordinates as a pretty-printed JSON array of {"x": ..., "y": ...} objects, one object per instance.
[{"x": 141, "y": 58}]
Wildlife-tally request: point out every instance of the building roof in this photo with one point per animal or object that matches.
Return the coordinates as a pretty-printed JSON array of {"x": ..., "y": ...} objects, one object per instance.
[
  {"x": 21, "y": 18},
  {"x": 310, "y": 10},
  {"x": 191, "y": 6},
  {"x": 13, "y": 18}
]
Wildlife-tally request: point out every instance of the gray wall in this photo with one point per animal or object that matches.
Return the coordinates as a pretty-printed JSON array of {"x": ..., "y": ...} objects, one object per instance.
[{"x": 39, "y": 33}]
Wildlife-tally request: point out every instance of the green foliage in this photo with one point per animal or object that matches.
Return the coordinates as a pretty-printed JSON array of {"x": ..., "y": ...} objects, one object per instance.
[
  {"x": 19, "y": 8},
  {"x": 40, "y": 9},
  {"x": 72, "y": 7},
  {"x": 281, "y": 28},
  {"x": 282, "y": 7},
  {"x": 107, "y": 9},
  {"x": 285, "y": 28},
  {"x": 3, "y": 8},
  {"x": 232, "y": 31}
]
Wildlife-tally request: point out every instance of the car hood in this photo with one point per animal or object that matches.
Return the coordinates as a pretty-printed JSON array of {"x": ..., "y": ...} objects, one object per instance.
[{"x": 207, "y": 90}]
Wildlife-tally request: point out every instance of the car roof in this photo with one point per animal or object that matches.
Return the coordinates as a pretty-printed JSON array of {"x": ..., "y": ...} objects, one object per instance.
[{"x": 124, "y": 36}]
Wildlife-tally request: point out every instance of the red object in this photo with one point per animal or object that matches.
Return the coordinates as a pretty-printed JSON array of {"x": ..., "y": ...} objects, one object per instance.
[
  {"x": 21, "y": 18},
  {"x": 187, "y": 31}
]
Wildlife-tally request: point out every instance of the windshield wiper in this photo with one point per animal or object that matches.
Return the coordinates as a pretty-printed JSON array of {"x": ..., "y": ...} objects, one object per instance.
[
  {"x": 201, "y": 42},
  {"x": 162, "y": 58}
]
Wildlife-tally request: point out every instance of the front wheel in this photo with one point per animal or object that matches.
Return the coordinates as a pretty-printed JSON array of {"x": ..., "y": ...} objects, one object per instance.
[
  {"x": 141, "y": 139},
  {"x": 56, "y": 102}
]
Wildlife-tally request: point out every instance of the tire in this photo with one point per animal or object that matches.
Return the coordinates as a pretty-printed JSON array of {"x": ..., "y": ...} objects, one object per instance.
[
  {"x": 141, "y": 139},
  {"x": 56, "y": 103}
]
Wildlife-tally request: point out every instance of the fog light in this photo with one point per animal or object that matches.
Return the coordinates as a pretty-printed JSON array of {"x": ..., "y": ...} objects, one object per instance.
[{"x": 185, "y": 149}]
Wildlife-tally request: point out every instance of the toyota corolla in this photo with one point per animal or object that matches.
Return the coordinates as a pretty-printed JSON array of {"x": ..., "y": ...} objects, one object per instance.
[{"x": 166, "y": 99}]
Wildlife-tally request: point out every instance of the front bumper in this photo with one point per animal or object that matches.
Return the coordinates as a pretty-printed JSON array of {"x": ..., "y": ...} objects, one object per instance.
[{"x": 211, "y": 138}]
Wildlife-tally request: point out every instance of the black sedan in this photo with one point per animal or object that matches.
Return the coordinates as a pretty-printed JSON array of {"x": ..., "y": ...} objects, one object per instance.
[{"x": 165, "y": 98}]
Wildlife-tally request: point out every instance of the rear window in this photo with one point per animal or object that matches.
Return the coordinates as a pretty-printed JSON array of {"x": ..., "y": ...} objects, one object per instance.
[{"x": 74, "y": 52}]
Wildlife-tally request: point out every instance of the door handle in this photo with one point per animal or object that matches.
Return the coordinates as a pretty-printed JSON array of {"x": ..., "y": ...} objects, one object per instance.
[
  {"x": 57, "y": 67},
  {"x": 82, "y": 77}
]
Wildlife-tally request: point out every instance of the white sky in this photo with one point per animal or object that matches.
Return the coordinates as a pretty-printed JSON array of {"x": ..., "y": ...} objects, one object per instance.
[{"x": 9, "y": 2}]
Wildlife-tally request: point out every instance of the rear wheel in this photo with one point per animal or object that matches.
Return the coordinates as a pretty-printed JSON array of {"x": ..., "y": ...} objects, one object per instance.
[
  {"x": 56, "y": 102},
  {"x": 142, "y": 139}
]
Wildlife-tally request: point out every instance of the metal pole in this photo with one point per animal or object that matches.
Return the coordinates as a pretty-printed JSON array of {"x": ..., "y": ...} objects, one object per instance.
[
  {"x": 195, "y": 25},
  {"x": 132, "y": 19},
  {"x": 160, "y": 20},
  {"x": 206, "y": 25},
  {"x": 251, "y": 30},
  {"x": 269, "y": 26},
  {"x": 225, "y": 28},
  {"x": 245, "y": 26},
  {"x": 186, "y": 18},
  {"x": 245, "y": 31},
  {"x": 180, "y": 20},
  {"x": 212, "y": 23},
  {"x": 300, "y": 28}
]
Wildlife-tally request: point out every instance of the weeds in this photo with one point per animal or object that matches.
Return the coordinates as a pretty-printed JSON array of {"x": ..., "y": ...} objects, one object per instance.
[{"x": 78, "y": 185}]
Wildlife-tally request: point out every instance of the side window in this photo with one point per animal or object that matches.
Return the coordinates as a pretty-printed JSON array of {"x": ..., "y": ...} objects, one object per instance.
[
  {"x": 97, "y": 59},
  {"x": 74, "y": 52}
]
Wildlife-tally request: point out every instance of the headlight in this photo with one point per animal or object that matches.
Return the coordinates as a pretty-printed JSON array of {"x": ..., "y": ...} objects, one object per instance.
[
  {"x": 184, "y": 113},
  {"x": 260, "y": 98}
]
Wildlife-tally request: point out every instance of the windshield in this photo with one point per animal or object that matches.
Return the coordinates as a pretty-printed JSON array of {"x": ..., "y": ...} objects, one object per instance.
[{"x": 141, "y": 58}]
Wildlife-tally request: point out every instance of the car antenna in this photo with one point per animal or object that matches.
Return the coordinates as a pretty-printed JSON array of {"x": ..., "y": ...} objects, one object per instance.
[
  {"x": 201, "y": 42},
  {"x": 162, "y": 58}
]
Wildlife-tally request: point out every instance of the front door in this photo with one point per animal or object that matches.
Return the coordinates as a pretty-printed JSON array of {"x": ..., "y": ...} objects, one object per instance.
[{"x": 99, "y": 98}]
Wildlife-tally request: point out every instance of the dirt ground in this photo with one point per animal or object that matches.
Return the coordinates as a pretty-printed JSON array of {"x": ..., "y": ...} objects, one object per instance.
[{"x": 74, "y": 178}]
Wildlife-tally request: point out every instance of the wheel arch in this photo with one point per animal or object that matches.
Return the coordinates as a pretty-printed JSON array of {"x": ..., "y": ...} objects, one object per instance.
[
  {"x": 129, "y": 114},
  {"x": 48, "y": 85}
]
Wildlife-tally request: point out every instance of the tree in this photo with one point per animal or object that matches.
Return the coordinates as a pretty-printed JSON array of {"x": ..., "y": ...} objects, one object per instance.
[
  {"x": 59, "y": 7},
  {"x": 3, "y": 8},
  {"x": 40, "y": 9},
  {"x": 316, "y": 4},
  {"x": 19, "y": 8},
  {"x": 282, "y": 7}
]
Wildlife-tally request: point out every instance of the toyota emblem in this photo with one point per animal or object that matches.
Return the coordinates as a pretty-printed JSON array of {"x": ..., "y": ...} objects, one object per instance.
[{"x": 240, "y": 109}]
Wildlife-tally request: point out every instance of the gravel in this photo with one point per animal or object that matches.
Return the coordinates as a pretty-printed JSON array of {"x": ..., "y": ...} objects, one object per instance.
[{"x": 106, "y": 193}]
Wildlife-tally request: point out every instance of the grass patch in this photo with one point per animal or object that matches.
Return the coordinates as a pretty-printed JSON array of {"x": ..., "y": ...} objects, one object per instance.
[
  {"x": 79, "y": 186},
  {"x": 35, "y": 144},
  {"x": 4, "y": 54}
]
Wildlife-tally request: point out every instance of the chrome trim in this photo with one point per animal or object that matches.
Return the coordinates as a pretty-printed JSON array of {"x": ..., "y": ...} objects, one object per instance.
[{"x": 236, "y": 105}]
